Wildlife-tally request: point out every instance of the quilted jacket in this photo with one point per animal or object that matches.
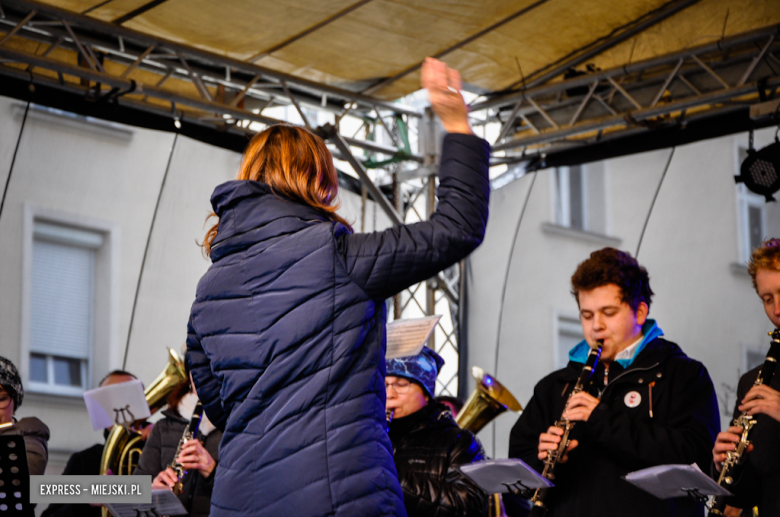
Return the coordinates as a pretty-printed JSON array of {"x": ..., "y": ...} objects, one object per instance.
[
  {"x": 428, "y": 445},
  {"x": 287, "y": 341}
]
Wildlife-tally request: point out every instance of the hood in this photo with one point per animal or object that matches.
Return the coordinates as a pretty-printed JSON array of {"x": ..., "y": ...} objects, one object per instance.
[
  {"x": 250, "y": 212},
  {"x": 650, "y": 331}
]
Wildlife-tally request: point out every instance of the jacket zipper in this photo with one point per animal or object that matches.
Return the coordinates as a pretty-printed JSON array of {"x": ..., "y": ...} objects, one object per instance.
[{"x": 612, "y": 383}]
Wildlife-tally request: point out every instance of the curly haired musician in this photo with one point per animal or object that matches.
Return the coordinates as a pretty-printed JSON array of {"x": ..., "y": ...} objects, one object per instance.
[
  {"x": 647, "y": 403},
  {"x": 757, "y": 479}
]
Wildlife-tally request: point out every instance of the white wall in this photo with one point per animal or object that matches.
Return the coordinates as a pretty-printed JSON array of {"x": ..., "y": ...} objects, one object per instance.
[{"x": 690, "y": 248}]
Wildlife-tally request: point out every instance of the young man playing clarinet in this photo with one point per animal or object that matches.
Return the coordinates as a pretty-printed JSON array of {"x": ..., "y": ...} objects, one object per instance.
[
  {"x": 646, "y": 404},
  {"x": 756, "y": 480}
]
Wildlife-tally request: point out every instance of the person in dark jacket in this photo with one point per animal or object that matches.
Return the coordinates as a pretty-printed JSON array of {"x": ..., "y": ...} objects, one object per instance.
[
  {"x": 287, "y": 332},
  {"x": 757, "y": 477},
  {"x": 647, "y": 402},
  {"x": 428, "y": 444},
  {"x": 198, "y": 456},
  {"x": 35, "y": 432},
  {"x": 87, "y": 462}
]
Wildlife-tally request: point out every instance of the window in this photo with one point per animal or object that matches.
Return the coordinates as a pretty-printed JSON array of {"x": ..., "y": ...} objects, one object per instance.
[
  {"x": 62, "y": 306},
  {"x": 569, "y": 332},
  {"x": 579, "y": 197},
  {"x": 752, "y": 217}
]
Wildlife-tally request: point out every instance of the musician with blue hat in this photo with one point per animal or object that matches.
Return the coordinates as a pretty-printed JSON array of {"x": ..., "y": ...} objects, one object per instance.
[{"x": 427, "y": 443}]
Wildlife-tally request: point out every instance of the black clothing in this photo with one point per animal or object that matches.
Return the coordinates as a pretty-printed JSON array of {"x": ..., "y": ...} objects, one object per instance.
[
  {"x": 86, "y": 463},
  {"x": 158, "y": 454},
  {"x": 757, "y": 478},
  {"x": 426, "y": 446},
  {"x": 675, "y": 420}
]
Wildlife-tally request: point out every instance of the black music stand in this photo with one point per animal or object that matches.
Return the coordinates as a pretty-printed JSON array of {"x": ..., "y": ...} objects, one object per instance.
[{"x": 14, "y": 478}]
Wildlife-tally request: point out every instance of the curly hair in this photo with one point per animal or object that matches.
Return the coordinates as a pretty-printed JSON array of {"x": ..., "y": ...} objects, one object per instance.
[
  {"x": 767, "y": 256},
  {"x": 610, "y": 266}
]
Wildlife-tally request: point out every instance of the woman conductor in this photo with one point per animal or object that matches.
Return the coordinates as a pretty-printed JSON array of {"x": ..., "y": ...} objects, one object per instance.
[{"x": 287, "y": 332}]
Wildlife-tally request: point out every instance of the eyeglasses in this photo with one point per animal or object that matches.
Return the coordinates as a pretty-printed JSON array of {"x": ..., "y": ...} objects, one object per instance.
[
  {"x": 5, "y": 400},
  {"x": 400, "y": 386}
]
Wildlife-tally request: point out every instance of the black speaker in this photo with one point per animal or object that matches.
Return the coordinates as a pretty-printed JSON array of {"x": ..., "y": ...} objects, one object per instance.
[{"x": 760, "y": 172}]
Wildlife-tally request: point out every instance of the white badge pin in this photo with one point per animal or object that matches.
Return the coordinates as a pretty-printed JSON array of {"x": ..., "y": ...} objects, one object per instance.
[{"x": 632, "y": 399}]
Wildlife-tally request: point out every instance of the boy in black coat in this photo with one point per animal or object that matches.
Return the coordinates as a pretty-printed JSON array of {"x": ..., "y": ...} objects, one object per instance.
[
  {"x": 647, "y": 403},
  {"x": 428, "y": 444},
  {"x": 757, "y": 478}
]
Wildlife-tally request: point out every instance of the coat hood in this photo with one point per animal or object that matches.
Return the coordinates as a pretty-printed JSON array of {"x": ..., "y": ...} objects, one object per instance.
[{"x": 250, "y": 212}]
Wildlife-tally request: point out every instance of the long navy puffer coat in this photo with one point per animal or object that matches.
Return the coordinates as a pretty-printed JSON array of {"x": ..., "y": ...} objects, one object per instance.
[{"x": 287, "y": 341}]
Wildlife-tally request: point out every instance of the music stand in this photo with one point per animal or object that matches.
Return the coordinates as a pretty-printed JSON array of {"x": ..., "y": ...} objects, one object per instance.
[
  {"x": 504, "y": 475},
  {"x": 14, "y": 478},
  {"x": 669, "y": 481}
]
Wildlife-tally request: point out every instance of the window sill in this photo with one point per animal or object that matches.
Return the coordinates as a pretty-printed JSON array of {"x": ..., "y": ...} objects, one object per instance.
[
  {"x": 739, "y": 268},
  {"x": 61, "y": 391},
  {"x": 597, "y": 238}
]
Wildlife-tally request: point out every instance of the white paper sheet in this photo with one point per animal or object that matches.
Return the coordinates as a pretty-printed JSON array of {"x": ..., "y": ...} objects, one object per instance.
[
  {"x": 493, "y": 476},
  {"x": 668, "y": 481},
  {"x": 116, "y": 403},
  {"x": 407, "y": 337},
  {"x": 163, "y": 503}
]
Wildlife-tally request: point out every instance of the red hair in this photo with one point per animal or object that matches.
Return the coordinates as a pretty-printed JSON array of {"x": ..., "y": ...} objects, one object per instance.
[{"x": 295, "y": 164}]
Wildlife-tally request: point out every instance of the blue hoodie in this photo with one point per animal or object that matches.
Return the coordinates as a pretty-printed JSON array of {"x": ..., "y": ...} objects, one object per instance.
[{"x": 650, "y": 331}]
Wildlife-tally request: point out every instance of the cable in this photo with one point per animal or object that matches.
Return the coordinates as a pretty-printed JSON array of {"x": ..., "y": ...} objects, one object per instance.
[
  {"x": 146, "y": 250},
  {"x": 13, "y": 160},
  {"x": 652, "y": 205},
  {"x": 503, "y": 290}
]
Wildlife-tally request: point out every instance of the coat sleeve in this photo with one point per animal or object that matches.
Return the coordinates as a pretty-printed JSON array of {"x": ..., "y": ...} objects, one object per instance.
[
  {"x": 524, "y": 437},
  {"x": 453, "y": 496},
  {"x": 206, "y": 384},
  {"x": 687, "y": 436},
  {"x": 36, "y": 441},
  {"x": 384, "y": 263},
  {"x": 151, "y": 457}
]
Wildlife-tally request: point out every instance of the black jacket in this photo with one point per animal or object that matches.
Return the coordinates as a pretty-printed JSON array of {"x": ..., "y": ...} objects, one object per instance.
[
  {"x": 36, "y": 441},
  {"x": 86, "y": 463},
  {"x": 159, "y": 452},
  {"x": 757, "y": 478},
  {"x": 618, "y": 439},
  {"x": 426, "y": 446}
]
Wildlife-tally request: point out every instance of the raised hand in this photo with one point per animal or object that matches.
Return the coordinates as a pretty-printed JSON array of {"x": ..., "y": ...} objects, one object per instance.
[
  {"x": 726, "y": 441},
  {"x": 195, "y": 457},
  {"x": 443, "y": 85},
  {"x": 762, "y": 400},
  {"x": 581, "y": 405}
]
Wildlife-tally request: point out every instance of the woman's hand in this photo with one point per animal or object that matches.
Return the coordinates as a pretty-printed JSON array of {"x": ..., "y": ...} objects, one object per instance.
[
  {"x": 165, "y": 479},
  {"x": 443, "y": 85},
  {"x": 195, "y": 457}
]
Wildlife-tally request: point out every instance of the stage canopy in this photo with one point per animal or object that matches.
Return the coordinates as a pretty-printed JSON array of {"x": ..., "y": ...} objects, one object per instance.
[{"x": 556, "y": 74}]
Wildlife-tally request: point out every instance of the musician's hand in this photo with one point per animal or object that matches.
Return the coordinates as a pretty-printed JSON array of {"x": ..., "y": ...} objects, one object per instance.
[
  {"x": 195, "y": 457},
  {"x": 165, "y": 479},
  {"x": 762, "y": 399},
  {"x": 444, "y": 85},
  {"x": 550, "y": 440},
  {"x": 581, "y": 405},
  {"x": 726, "y": 441}
]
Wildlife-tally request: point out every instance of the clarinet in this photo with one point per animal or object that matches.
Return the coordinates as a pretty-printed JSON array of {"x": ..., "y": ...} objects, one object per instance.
[
  {"x": 746, "y": 422},
  {"x": 189, "y": 433},
  {"x": 389, "y": 413},
  {"x": 553, "y": 456}
]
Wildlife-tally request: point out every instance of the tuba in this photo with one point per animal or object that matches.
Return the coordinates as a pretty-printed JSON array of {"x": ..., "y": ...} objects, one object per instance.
[
  {"x": 488, "y": 400},
  {"x": 123, "y": 446}
]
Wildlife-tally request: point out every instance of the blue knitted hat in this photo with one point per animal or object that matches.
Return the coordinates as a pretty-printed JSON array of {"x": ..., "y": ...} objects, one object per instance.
[{"x": 422, "y": 368}]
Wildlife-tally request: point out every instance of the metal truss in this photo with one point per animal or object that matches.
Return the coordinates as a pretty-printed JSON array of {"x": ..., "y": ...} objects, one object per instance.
[
  {"x": 101, "y": 61},
  {"x": 591, "y": 107}
]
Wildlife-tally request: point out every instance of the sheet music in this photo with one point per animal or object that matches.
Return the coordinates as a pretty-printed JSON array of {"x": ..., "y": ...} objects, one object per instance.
[
  {"x": 164, "y": 502},
  {"x": 407, "y": 337},
  {"x": 118, "y": 403},
  {"x": 668, "y": 481},
  {"x": 499, "y": 476}
]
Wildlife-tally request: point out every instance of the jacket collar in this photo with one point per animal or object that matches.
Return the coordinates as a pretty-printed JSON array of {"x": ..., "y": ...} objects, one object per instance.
[{"x": 650, "y": 331}]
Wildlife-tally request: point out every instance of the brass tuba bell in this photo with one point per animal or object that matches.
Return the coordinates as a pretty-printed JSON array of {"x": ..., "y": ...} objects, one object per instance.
[
  {"x": 123, "y": 446},
  {"x": 488, "y": 400}
]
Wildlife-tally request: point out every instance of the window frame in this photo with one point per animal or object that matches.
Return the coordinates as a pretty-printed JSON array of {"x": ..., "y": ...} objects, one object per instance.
[
  {"x": 558, "y": 317},
  {"x": 105, "y": 349}
]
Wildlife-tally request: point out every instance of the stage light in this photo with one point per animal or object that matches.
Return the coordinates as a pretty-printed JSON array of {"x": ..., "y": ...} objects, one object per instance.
[{"x": 760, "y": 171}]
